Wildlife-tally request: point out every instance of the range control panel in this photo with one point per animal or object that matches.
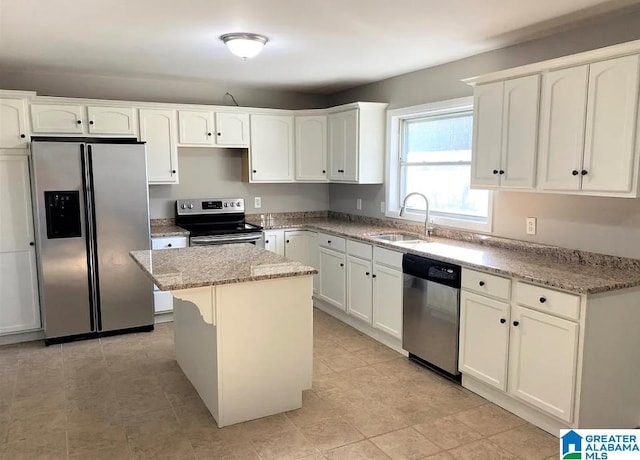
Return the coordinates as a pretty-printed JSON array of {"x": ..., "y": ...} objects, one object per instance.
[{"x": 209, "y": 206}]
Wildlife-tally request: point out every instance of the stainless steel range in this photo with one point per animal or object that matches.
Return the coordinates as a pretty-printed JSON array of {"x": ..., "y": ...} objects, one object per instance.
[{"x": 216, "y": 221}]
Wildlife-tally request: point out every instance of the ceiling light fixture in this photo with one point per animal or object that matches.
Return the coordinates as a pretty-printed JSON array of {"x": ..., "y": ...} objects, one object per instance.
[{"x": 244, "y": 45}]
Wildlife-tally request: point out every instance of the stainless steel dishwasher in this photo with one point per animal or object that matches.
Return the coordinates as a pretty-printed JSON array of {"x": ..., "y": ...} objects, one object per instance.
[{"x": 431, "y": 313}]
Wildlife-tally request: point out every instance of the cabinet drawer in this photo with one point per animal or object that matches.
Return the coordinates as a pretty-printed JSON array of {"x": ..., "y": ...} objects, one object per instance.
[
  {"x": 330, "y": 241},
  {"x": 166, "y": 243},
  {"x": 387, "y": 257},
  {"x": 484, "y": 283},
  {"x": 162, "y": 302},
  {"x": 362, "y": 250},
  {"x": 548, "y": 300}
]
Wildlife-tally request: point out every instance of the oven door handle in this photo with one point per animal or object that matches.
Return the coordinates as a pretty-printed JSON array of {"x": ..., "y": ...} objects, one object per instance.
[{"x": 206, "y": 240}]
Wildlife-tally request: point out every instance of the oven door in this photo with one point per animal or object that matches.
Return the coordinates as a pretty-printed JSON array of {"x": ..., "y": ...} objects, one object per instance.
[{"x": 253, "y": 238}]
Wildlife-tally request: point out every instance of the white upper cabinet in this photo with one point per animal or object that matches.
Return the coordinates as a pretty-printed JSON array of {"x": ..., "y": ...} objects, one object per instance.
[
  {"x": 14, "y": 132},
  {"x": 311, "y": 148},
  {"x": 612, "y": 106},
  {"x": 232, "y": 129},
  {"x": 272, "y": 148},
  {"x": 564, "y": 108},
  {"x": 112, "y": 120},
  {"x": 158, "y": 130},
  {"x": 356, "y": 144},
  {"x": 196, "y": 127},
  {"x": 505, "y": 133},
  {"x": 57, "y": 119}
]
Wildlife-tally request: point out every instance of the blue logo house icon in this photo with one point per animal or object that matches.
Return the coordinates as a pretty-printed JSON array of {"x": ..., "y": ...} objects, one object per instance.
[{"x": 571, "y": 446}]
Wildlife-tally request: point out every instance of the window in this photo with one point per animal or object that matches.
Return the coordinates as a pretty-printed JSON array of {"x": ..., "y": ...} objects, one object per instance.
[{"x": 430, "y": 153}]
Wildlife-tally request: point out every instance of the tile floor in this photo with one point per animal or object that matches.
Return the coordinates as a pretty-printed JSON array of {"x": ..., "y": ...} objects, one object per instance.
[{"x": 125, "y": 397}]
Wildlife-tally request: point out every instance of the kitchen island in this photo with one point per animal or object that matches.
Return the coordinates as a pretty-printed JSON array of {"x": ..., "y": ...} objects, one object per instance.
[{"x": 243, "y": 321}]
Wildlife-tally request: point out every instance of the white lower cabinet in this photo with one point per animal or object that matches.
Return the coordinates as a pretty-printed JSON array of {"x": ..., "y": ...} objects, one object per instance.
[
  {"x": 387, "y": 299},
  {"x": 274, "y": 241},
  {"x": 332, "y": 277},
  {"x": 484, "y": 338},
  {"x": 542, "y": 363},
  {"x": 163, "y": 300},
  {"x": 359, "y": 288},
  {"x": 302, "y": 246}
]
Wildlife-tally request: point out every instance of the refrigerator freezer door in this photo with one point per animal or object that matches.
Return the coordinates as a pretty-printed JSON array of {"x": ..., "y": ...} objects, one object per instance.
[
  {"x": 121, "y": 205},
  {"x": 59, "y": 199}
]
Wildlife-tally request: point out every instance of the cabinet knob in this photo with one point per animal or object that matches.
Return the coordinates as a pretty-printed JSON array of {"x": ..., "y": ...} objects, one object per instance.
[
  {"x": 324, "y": 171},
  {"x": 254, "y": 171},
  {"x": 79, "y": 122},
  {"x": 169, "y": 245},
  {"x": 23, "y": 136},
  {"x": 342, "y": 265},
  {"x": 575, "y": 172},
  {"x": 516, "y": 323},
  {"x": 287, "y": 241},
  {"x": 495, "y": 171},
  {"x": 91, "y": 122},
  {"x": 584, "y": 172},
  {"x": 367, "y": 273},
  {"x": 32, "y": 243},
  {"x": 173, "y": 171},
  {"x": 219, "y": 134},
  {"x": 373, "y": 276},
  {"x": 328, "y": 241},
  {"x": 502, "y": 320},
  {"x": 501, "y": 171},
  {"x": 542, "y": 300},
  {"x": 208, "y": 134},
  {"x": 481, "y": 283},
  {"x": 266, "y": 241}
]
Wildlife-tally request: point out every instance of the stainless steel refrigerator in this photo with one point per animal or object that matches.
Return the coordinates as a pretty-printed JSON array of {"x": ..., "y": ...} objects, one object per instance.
[{"x": 91, "y": 208}]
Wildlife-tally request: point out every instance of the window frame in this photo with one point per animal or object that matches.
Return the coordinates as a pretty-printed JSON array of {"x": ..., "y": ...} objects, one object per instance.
[{"x": 395, "y": 119}]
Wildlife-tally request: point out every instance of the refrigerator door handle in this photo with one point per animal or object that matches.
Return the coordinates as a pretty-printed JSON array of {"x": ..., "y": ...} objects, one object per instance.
[{"x": 91, "y": 243}]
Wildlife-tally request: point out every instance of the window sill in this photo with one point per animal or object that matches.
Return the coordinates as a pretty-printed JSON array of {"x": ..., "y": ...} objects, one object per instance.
[{"x": 441, "y": 221}]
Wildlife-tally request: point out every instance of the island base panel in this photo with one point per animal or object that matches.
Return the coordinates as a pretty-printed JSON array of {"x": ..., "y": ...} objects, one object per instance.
[{"x": 248, "y": 347}]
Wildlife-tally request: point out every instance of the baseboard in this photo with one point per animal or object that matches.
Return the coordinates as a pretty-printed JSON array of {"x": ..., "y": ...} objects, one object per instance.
[
  {"x": 531, "y": 415},
  {"x": 166, "y": 317},
  {"x": 19, "y": 337},
  {"x": 379, "y": 336}
]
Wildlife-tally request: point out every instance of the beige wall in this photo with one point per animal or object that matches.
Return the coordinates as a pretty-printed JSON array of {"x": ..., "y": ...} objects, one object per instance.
[
  {"x": 155, "y": 90},
  {"x": 212, "y": 172},
  {"x": 607, "y": 225}
]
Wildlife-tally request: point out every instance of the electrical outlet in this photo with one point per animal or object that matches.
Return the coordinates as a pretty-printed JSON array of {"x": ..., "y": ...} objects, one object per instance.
[
  {"x": 531, "y": 225},
  {"x": 382, "y": 207},
  {"x": 359, "y": 204},
  {"x": 257, "y": 202}
]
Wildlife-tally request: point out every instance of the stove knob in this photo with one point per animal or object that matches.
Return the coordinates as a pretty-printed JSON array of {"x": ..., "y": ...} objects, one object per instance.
[
  {"x": 238, "y": 204},
  {"x": 184, "y": 206},
  {"x": 232, "y": 204},
  {"x": 190, "y": 205},
  {"x": 226, "y": 204}
]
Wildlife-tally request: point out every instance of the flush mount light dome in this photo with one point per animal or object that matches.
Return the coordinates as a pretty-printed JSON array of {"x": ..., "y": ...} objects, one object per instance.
[{"x": 244, "y": 45}]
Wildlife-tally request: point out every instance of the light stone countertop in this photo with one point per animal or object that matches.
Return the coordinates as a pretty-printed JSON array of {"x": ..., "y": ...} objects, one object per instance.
[
  {"x": 186, "y": 268},
  {"x": 591, "y": 274},
  {"x": 167, "y": 230}
]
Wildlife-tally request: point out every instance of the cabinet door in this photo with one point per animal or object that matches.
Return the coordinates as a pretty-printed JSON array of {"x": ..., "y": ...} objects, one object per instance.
[
  {"x": 232, "y": 129},
  {"x": 19, "y": 308},
  {"x": 337, "y": 145},
  {"x": 296, "y": 246},
  {"x": 484, "y": 339},
  {"x": 520, "y": 132},
  {"x": 14, "y": 133},
  {"x": 274, "y": 241},
  {"x": 351, "y": 142},
  {"x": 542, "y": 361},
  {"x": 487, "y": 134},
  {"x": 272, "y": 153},
  {"x": 332, "y": 277},
  {"x": 112, "y": 120},
  {"x": 564, "y": 107},
  {"x": 195, "y": 127},
  {"x": 387, "y": 300},
  {"x": 314, "y": 256},
  {"x": 311, "y": 148},
  {"x": 158, "y": 130},
  {"x": 611, "y": 125},
  {"x": 359, "y": 289},
  {"x": 57, "y": 119}
]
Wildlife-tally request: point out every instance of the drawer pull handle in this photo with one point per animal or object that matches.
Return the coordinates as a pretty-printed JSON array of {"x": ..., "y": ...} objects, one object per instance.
[
  {"x": 481, "y": 283},
  {"x": 502, "y": 320},
  {"x": 328, "y": 241},
  {"x": 542, "y": 300},
  {"x": 516, "y": 323},
  {"x": 169, "y": 245}
]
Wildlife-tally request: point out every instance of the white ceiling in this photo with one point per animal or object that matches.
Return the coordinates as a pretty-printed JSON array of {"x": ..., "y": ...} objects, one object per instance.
[{"x": 316, "y": 46}]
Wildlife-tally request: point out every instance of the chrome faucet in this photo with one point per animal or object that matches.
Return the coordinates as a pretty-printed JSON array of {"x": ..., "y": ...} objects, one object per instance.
[{"x": 427, "y": 227}]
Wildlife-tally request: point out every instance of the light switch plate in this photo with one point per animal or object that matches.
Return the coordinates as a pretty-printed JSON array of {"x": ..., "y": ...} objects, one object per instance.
[
  {"x": 531, "y": 225},
  {"x": 359, "y": 203},
  {"x": 257, "y": 202},
  {"x": 382, "y": 207}
]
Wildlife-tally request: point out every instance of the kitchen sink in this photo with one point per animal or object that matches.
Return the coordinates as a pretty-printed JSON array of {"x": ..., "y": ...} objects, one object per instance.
[{"x": 396, "y": 237}]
